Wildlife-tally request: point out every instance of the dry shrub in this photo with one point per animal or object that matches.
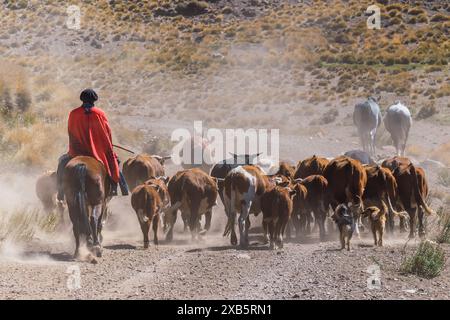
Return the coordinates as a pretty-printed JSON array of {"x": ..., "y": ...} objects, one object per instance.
[
  {"x": 444, "y": 225},
  {"x": 442, "y": 153},
  {"x": 23, "y": 223},
  {"x": 426, "y": 112},
  {"x": 415, "y": 150},
  {"x": 33, "y": 145},
  {"x": 416, "y": 11},
  {"x": 326, "y": 118},
  {"x": 438, "y": 17},
  {"x": 444, "y": 177}
]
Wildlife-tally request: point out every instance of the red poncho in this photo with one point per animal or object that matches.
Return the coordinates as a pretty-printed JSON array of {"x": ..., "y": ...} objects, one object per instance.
[{"x": 90, "y": 135}]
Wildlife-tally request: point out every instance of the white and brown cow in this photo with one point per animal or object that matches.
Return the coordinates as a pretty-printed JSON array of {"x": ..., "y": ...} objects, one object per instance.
[
  {"x": 194, "y": 193},
  {"x": 244, "y": 187}
]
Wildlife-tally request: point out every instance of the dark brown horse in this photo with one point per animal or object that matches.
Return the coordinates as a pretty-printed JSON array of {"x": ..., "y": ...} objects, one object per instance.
[{"x": 86, "y": 188}]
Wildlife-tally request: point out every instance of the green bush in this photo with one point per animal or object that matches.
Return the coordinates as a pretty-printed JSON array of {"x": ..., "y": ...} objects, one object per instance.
[
  {"x": 428, "y": 261},
  {"x": 444, "y": 224}
]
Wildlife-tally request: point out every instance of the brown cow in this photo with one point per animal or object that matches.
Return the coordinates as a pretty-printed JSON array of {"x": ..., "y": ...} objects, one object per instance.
[
  {"x": 285, "y": 169},
  {"x": 395, "y": 162},
  {"x": 46, "y": 189},
  {"x": 276, "y": 206},
  {"x": 194, "y": 193},
  {"x": 413, "y": 189},
  {"x": 160, "y": 183},
  {"x": 244, "y": 187},
  {"x": 346, "y": 182},
  {"x": 299, "y": 220},
  {"x": 310, "y": 166},
  {"x": 147, "y": 203},
  {"x": 381, "y": 191},
  {"x": 142, "y": 167},
  {"x": 311, "y": 199},
  {"x": 86, "y": 189}
]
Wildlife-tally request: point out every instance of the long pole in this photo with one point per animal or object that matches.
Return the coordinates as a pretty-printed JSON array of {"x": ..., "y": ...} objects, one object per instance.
[{"x": 124, "y": 149}]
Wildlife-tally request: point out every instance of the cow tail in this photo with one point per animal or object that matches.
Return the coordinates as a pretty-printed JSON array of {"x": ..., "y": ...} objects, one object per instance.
[
  {"x": 231, "y": 213},
  {"x": 417, "y": 194},
  {"x": 83, "y": 219},
  {"x": 147, "y": 206},
  {"x": 390, "y": 190}
]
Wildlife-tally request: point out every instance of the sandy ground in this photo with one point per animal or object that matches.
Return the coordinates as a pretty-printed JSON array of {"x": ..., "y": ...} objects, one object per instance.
[{"x": 212, "y": 269}]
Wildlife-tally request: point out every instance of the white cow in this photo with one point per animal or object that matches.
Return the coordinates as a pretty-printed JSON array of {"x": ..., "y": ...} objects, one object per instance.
[
  {"x": 367, "y": 118},
  {"x": 398, "y": 122}
]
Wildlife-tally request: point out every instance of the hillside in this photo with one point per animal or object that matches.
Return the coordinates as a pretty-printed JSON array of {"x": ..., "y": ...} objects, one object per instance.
[{"x": 187, "y": 60}]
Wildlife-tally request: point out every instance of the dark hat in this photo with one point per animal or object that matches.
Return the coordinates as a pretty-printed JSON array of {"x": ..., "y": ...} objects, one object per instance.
[{"x": 88, "y": 96}]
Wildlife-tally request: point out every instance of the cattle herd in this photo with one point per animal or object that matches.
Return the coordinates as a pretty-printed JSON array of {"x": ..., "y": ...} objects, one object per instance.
[{"x": 352, "y": 190}]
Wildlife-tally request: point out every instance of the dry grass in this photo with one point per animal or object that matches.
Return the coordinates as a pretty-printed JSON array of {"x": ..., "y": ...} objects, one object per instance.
[
  {"x": 22, "y": 224},
  {"x": 442, "y": 153},
  {"x": 415, "y": 150}
]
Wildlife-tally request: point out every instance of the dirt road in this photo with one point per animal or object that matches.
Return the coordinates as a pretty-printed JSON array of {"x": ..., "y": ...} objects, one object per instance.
[{"x": 210, "y": 269}]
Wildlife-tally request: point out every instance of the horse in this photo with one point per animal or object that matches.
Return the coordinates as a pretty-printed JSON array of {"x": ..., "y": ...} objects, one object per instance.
[{"x": 87, "y": 192}]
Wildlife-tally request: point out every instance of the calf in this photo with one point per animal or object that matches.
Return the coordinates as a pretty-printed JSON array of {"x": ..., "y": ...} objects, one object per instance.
[
  {"x": 46, "y": 189},
  {"x": 311, "y": 199},
  {"x": 276, "y": 206},
  {"x": 244, "y": 187},
  {"x": 194, "y": 193},
  {"x": 147, "y": 203},
  {"x": 301, "y": 217}
]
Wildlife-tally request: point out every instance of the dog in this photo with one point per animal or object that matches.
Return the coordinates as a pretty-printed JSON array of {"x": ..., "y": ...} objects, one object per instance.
[
  {"x": 378, "y": 219},
  {"x": 346, "y": 223}
]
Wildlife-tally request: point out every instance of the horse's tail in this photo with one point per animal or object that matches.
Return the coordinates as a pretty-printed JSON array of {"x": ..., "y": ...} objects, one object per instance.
[{"x": 83, "y": 220}]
